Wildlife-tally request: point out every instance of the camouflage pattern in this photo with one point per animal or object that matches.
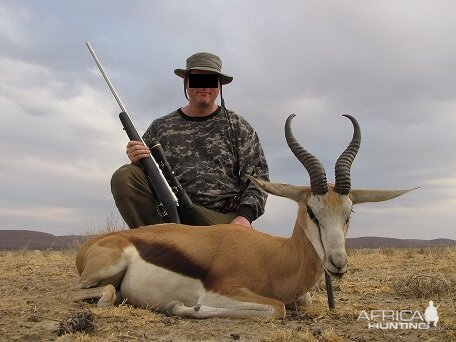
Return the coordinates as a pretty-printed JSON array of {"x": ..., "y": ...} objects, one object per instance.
[{"x": 212, "y": 156}]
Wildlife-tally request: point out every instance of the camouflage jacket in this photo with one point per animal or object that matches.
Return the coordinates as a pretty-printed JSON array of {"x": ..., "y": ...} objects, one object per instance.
[{"x": 212, "y": 156}]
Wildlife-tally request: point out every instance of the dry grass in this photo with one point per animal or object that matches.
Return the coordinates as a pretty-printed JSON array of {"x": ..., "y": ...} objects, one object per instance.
[
  {"x": 112, "y": 223},
  {"x": 424, "y": 285},
  {"x": 35, "y": 288}
]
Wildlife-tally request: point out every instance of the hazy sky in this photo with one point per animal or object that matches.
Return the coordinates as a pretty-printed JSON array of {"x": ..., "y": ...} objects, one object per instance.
[{"x": 391, "y": 64}]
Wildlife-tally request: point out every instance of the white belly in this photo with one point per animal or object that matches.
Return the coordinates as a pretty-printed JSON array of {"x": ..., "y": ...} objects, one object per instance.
[{"x": 148, "y": 285}]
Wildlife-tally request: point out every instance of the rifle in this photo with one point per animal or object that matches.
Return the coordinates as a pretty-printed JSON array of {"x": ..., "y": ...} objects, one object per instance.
[{"x": 155, "y": 166}]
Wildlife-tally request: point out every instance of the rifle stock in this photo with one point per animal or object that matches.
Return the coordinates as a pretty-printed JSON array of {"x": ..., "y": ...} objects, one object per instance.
[{"x": 157, "y": 180}]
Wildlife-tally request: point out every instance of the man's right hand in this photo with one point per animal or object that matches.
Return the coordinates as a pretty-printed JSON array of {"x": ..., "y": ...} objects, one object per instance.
[{"x": 136, "y": 151}]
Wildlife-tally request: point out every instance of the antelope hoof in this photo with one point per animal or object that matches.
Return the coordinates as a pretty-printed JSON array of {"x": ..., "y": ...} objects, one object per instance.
[
  {"x": 305, "y": 300},
  {"x": 172, "y": 308},
  {"x": 108, "y": 297}
]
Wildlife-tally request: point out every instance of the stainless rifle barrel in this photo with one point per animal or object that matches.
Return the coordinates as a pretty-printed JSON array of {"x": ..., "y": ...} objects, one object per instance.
[{"x": 113, "y": 91}]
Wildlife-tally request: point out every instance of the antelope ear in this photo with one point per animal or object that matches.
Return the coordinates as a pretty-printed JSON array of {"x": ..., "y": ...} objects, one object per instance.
[
  {"x": 296, "y": 193},
  {"x": 364, "y": 196}
]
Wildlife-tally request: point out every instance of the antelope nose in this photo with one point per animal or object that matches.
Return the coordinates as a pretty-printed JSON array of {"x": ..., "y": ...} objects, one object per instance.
[{"x": 338, "y": 260}]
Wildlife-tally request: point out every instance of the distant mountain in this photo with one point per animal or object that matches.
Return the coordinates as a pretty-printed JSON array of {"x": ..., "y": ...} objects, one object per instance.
[
  {"x": 378, "y": 242},
  {"x": 29, "y": 239}
]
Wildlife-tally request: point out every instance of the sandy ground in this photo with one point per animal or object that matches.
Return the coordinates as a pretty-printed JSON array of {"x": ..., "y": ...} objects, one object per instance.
[{"x": 35, "y": 286}]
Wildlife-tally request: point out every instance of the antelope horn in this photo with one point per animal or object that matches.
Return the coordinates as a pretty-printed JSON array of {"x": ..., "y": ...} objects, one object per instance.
[
  {"x": 313, "y": 166},
  {"x": 344, "y": 162}
]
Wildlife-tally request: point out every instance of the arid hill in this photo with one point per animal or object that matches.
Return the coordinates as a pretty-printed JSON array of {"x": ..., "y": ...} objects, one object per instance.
[
  {"x": 33, "y": 240},
  {"x": 378, "y": 242}
]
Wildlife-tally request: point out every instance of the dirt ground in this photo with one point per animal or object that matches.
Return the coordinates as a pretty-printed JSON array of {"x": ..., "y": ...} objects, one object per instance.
[{"x": 35, "y": 286}]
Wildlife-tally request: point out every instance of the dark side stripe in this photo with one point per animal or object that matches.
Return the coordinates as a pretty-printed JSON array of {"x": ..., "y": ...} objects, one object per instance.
[{"x": 170, "y": 258}]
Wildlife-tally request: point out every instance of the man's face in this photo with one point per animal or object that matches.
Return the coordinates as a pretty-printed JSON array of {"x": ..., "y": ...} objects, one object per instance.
[{"x": 202, "y": 97}]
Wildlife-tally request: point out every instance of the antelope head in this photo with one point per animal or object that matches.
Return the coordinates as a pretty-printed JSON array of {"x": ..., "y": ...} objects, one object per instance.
[{"x": 324, "y": 209}]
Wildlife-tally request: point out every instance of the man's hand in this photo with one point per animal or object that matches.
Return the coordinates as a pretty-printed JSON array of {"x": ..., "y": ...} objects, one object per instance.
[
  {"x": 242, "y": 221},
  {"x": 136, "y": 151}
]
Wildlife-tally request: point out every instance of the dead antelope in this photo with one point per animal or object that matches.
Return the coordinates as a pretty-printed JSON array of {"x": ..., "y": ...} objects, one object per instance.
[{"x": 228, "y": 270}]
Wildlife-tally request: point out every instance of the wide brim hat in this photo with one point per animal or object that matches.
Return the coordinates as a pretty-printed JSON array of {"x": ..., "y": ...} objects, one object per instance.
[{"x": 204, "y": 61}]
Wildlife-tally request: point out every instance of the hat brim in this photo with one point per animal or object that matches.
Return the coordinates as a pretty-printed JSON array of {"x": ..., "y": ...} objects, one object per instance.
[{"x": 224, "y": 78}]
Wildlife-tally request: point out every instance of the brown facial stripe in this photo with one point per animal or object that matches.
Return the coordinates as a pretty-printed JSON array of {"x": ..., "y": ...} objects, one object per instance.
[{"x": 170, "y": 258}]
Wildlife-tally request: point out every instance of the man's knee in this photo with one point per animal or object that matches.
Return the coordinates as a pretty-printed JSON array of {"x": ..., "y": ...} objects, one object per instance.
[
  {"x": 127, "y": 179},
  {"x": 119, "y": 181},
  {"x": 133, "y": 196},
  {"x": 120, "y": 178}
]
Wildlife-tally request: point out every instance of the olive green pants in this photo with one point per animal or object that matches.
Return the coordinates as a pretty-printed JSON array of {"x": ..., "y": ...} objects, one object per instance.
[{"x": 137, "y": 202}]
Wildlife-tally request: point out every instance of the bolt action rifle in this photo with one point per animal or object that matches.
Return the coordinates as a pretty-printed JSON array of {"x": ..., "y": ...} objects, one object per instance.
[{"x": 170, "y": 194}]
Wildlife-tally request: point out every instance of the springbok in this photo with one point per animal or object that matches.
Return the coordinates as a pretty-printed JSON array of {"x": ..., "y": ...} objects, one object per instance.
[{"x": 228, "y": 270}]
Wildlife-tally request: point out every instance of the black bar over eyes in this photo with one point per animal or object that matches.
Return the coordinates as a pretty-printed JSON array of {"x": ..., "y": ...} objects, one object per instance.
[{"x": 203, "y": 81}]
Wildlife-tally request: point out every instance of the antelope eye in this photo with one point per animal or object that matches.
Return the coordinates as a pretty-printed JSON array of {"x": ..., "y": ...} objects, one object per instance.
[{"x": 312, "y": 216}]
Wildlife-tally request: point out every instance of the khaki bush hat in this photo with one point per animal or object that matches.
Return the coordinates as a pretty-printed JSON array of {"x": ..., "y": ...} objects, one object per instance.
[{"x": 204, "y": 61}]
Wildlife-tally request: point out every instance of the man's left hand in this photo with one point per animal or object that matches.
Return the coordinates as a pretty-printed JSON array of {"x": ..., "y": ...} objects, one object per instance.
[{"x": 242, "y": 221}]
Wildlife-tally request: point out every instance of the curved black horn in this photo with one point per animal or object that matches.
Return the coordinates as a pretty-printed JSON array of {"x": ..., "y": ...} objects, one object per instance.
[
  {"x": 313, "y": 166},
  {"x": 344, "y": 162}
]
